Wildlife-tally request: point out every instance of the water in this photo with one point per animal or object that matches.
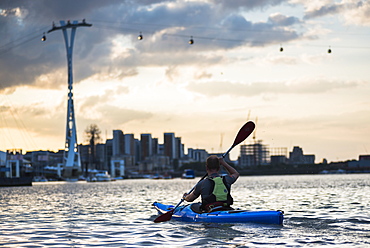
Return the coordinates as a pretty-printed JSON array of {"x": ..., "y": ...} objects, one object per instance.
[{"x": 320, "y": 210}]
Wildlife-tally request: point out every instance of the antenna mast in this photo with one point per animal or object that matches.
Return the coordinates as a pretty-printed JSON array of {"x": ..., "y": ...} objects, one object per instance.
[{"x": 71, "y": 161}]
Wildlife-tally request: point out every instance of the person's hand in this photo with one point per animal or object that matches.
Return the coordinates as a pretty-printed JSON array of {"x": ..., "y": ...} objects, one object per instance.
[
  {"x": 221, "y": 160},
  {"x": 184, "y": 195}
]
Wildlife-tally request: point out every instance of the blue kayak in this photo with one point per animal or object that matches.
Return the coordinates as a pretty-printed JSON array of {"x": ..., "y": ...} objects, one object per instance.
[{"x": 185, "y": 213}]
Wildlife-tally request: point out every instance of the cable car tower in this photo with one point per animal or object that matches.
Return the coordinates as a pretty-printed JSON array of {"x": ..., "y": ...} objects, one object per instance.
[{"x": 71, "y": 157}]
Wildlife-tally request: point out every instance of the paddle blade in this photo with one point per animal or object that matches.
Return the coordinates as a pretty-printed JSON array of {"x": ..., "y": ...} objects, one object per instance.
[
  {"x": 244, "y": 132},
  {"x": 164, "y": 217}
]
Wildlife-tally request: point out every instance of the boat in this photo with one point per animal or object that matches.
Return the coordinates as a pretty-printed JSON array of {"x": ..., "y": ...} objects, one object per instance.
[
  {"x": 157, "y": 176},
  {"x": 100, "y": 176},
  {"x": 39, "y": 179},
  {"x": 188, "y": 174},
  {"x": 103, "y": 176},
  {"x": 186, "y": 213},
  {"x": 15, "y": 181}
]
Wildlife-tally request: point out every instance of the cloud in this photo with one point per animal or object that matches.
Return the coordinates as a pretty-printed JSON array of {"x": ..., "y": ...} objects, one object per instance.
[
  {"x": 282, "y": 20},
  {"x": 352, "y": 11},
  {"x": 33, "y": 119},
  {"x": 219, "y": 88},
  {"x": 89, "y": 105},
  {"x": 113, "y": 116},
  {"x": 166, "y": 25},
  {"x": 172, "y": 72},
  {"x": 247, "y": 4},
  {"x": 324, "y": 10},
  {"x": 40, "y": 121},
  {"x": 359, "y": 14},
  {"x": 202, "y": 75},
  {"x": 100, "y": 108}
]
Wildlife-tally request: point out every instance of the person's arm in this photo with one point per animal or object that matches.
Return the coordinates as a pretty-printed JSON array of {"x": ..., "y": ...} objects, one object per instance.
[
  {"x": 232, "y": 172},
  {"x": 194, "y": 194},
  {"x": 189, "y": 197}
]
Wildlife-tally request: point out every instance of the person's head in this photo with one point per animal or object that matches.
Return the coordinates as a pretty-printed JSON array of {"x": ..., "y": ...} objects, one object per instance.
[{"x": 212, "y": 163}]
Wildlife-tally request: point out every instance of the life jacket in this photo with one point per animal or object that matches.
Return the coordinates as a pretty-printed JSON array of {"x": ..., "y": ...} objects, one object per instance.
[{"x": 219, "y": 194}]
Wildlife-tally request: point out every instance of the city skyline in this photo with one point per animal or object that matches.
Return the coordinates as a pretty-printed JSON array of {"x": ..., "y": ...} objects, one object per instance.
[
  {"x": 152, "y": 141},
  {"x": 265, "y": 61}
]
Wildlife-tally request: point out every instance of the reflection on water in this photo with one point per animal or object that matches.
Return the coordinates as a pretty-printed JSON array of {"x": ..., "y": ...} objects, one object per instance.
[{"x": 319, "y": 210}]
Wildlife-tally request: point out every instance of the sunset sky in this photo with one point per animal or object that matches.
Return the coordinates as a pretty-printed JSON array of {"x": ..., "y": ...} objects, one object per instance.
[{"x": 234, "y": 72}]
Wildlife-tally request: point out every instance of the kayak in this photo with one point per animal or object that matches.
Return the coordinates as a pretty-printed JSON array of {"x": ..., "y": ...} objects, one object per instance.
[{"x": 187, "y": 214}]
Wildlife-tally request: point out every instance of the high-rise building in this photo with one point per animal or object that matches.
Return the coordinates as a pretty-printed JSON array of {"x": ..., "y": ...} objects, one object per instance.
[
  {"x": 146, "y": 145},
  {"x": 155, "y": 146},
  {"x": 137, "y": 150},
  {"x": 129, "y": 143},
  {"x": 108, "y": 153},
  {"x": 118, "y": 143},
  {"x": 179, "y": 151},
  {"x": 100, "y": 157},
  {"x": 169, "y": 145}
]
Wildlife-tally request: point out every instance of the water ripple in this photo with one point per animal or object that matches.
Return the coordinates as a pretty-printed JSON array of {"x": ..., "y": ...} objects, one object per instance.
[{"x": 321, "y": 210}]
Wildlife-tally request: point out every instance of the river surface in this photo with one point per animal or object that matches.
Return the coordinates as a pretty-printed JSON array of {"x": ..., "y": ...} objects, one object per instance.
[{"x": 320, "y": 210}]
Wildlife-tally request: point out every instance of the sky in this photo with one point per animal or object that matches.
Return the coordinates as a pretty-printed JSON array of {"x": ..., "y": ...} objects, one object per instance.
[{"x": 204, "y": 92}]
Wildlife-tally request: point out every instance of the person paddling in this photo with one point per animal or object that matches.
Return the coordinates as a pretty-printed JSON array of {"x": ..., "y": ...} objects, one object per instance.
[{"x": 214, "y": 189}]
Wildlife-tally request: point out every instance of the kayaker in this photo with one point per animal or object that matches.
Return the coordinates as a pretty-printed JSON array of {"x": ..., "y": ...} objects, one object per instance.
[{"x": 214, "y": 189}]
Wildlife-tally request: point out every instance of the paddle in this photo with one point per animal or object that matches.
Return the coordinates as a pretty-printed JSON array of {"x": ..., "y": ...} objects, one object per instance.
[{"x": 243, "y": 133}]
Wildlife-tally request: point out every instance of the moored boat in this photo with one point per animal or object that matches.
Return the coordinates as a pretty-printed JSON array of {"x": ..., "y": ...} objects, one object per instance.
[
  {"x": 187, "y": 213},
  {"x": 103, "y": 176},
  {"x": 15, "y": 181},
  {"x": 188, "y": 174}
]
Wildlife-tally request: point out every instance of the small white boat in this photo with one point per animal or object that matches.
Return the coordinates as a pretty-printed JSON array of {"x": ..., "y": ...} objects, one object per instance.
[
  {"x": 103, "y": 176},
  {"x": 188, "y": 174}
]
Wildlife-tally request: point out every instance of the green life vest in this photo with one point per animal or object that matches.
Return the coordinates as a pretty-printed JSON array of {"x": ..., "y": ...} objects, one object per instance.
[{"x": 220, "y": 190}]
